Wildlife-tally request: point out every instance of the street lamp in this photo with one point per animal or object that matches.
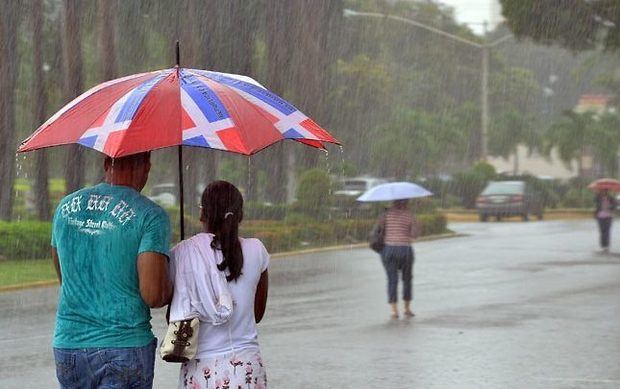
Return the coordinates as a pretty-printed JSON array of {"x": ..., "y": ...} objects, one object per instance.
[{"x": 484, "y": 90}]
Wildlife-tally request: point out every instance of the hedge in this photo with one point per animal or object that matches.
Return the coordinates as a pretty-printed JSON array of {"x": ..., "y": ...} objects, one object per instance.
[
  {"x": 31, "y": 239},
  {"x": 281, "y": 236},
  {"x": 25, "y": 240}
]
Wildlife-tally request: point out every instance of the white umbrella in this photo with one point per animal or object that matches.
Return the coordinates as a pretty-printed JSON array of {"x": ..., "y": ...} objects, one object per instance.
[{"x": 394, "y": 191}]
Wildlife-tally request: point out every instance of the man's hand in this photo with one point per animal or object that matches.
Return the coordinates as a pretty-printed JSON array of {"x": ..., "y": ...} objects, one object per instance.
[
  {"x": 56, "y": 262},
  {"x": 155, "y": 286}
]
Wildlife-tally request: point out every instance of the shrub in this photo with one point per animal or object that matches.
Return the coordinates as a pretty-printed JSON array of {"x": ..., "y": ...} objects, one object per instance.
[
  {"x": 288, "y": 235},
  {"x": 433, "y": 224},
  {"x": 25, "y": 240},
  {"x": 262, "y": 211},
  {"x": 578, "y": 198},
  {"x": 468, "y": 185},
  {"x": 313, "y": 192}
]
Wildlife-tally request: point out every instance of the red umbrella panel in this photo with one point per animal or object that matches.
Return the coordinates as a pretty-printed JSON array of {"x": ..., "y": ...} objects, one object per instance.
[
  {"x": 174, "y": 107},
  {"x": 605, "y": 183}
]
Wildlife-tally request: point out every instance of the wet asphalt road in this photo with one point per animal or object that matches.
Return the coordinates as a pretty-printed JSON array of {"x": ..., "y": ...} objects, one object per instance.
[{"x": 512, "y": 305}]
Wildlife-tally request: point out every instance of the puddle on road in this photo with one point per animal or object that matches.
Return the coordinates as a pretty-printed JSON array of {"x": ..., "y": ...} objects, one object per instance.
[
  {"x": 473, "y": 322},
  {"x": 582, "y": 262}
]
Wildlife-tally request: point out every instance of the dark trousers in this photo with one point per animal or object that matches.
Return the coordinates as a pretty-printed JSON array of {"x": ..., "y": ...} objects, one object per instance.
[
  {"x": 604, "y": 225},
  {"x": 395, "y": 259}
]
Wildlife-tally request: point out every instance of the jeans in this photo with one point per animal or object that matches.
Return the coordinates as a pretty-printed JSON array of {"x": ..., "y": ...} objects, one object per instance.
[
  {"x": 123, "y": 367},
  {"x": 397, "y": 258},
  {"x": 604, "y": 224}
]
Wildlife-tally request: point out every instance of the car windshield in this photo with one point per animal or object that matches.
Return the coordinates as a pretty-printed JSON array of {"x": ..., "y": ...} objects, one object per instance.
[{"x": 504, "y": 188}]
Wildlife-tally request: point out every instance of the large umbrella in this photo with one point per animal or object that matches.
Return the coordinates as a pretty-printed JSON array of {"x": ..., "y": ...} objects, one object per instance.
[
  {"x": 177, "y": 107},
  {"x": 394, "y": 191},
  {"x": 605, "y": 183}
]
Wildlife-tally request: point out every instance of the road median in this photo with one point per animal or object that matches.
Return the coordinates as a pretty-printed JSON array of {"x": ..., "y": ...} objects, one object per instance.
[{"x": 471, "y": 215}]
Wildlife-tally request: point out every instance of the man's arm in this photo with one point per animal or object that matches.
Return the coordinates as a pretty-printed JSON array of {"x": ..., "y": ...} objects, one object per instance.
[
  {"x": 56, "y": 264},
  {"x": 260, "y": 299},
  {"x": 155, "y": 287}
]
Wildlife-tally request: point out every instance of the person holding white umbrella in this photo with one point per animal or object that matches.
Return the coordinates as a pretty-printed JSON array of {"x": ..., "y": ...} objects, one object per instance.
[{"x": 399, "y": 228}]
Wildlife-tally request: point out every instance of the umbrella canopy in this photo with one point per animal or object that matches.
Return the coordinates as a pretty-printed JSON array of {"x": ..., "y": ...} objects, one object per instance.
[
  {"x": 177, "y": 106},
  {"x": 605, "y": 183},
  {"x": 394, "y": 191}
]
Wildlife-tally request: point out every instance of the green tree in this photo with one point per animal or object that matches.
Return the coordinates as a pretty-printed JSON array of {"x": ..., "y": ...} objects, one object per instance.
[
  {"x": 416, "y": 143},
  {"x": 575, "y": 24}
]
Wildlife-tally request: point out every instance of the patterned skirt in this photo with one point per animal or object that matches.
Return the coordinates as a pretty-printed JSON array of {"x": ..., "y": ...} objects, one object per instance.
[{"x": 242, "y": 370}]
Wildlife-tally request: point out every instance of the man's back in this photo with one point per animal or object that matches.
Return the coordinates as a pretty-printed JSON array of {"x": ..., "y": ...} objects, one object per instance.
[{"x": 98, "y": 233}]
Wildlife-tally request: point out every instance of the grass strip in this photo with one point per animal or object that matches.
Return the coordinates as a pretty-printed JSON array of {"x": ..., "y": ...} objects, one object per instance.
[{"x": 16, "y": 272}]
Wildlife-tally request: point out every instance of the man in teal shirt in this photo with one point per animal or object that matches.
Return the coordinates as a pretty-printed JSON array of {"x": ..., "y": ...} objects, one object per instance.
[{"x": 110, "y": 248}]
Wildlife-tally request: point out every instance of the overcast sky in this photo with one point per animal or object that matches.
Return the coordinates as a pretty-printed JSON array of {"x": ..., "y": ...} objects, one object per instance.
[{"x": 474, "y": 11}]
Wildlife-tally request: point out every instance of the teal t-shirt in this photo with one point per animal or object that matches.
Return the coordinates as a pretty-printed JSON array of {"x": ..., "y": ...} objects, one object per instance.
[{"x": 98, "y": 233}]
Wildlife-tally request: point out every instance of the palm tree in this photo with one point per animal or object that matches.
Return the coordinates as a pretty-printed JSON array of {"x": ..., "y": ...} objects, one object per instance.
[
  {"x": 606, "y": 142},
  {"x": 510, "y": 129},
  {"x": 572, "y": 136}
]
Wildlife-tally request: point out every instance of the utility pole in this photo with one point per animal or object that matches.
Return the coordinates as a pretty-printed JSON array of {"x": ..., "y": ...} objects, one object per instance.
[
  {"x": 484, "y": 96},
  {"x": 484, "y": 47}
]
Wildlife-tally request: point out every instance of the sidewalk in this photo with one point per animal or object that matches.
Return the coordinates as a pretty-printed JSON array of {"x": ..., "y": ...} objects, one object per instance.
[{"x": 471, "y": 215}]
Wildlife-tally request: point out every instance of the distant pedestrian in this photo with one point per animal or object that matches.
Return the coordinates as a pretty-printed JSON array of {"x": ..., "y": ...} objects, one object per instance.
[
  {"x": 400, "y": 229},
  {"x": 605, "y": 206},
  {"x": 228, "y": 354},
  {"x": 110, "y": 248}
]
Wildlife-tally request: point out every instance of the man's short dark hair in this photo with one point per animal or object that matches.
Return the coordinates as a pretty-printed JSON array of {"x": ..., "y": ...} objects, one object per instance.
[{"x": 129, "y": 160}]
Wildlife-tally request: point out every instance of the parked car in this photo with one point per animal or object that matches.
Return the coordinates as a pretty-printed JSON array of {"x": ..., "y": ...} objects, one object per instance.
[
  {"x": 509, "y": 198},
  {"x": 164, "y": 194},
  {"x": 355, "y": 187},
  {"x": 349, "y": 189}
]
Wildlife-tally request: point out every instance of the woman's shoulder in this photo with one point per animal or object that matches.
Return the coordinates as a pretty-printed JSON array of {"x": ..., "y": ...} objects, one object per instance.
[
  {"x": 252, "y": 244},
  {"x": 200, "y": 238},
  {"x": 254, "y": 250}
]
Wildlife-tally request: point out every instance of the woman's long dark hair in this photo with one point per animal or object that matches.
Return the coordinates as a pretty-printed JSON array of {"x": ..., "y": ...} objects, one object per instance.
[{"x": 222, "y": 211}]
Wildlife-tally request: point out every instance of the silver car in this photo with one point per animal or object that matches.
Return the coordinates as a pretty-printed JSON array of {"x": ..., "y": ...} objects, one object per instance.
[{"x": 509, "y": 198}]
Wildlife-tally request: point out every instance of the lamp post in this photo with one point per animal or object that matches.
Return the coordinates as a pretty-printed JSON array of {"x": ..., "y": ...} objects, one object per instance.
[{"x": 484, "y": 89}]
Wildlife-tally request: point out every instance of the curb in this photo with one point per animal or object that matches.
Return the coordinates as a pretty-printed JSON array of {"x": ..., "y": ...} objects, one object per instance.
[
  {"x": 28, "y": 285},
  {"x": 430, "y": 238}
]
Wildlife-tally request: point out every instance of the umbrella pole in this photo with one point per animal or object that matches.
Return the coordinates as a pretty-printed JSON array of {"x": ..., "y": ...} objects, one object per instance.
[
  {"x": 181, "y": 202},
  {"x": 180, "y": 153}
]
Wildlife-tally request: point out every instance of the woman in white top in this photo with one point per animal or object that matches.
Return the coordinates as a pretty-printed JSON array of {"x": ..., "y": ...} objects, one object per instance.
[{"x": 228, "y": 354}]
